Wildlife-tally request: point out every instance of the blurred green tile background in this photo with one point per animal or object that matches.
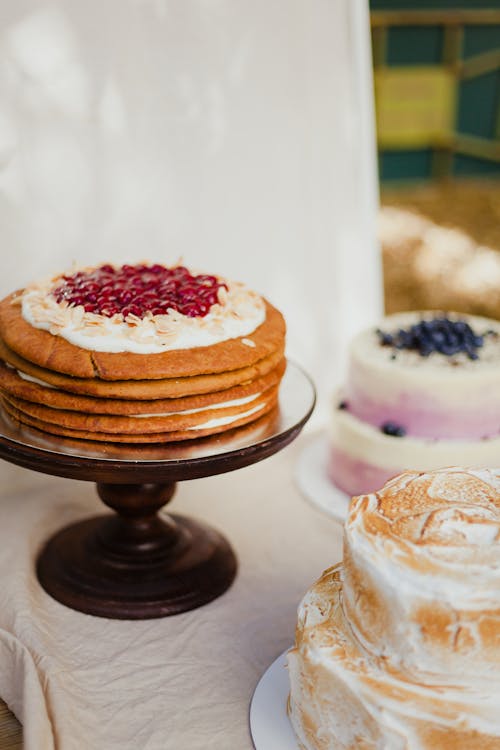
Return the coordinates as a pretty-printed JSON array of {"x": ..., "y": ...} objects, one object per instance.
[{"x": 463, "y": 38}]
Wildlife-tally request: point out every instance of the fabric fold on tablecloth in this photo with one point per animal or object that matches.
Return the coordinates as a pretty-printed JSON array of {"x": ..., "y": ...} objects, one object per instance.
[
  {"x": 78, "y": 682},
  {"x": 22, "y": 690}
]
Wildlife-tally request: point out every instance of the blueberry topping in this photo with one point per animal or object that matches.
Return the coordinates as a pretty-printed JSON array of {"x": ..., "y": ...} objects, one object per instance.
[
  {"x": 441, "y": 335},
  {"x": 385, "y": 338},
  {"x": 393, "y": 429},
  {"x": 343, "y": 405}
]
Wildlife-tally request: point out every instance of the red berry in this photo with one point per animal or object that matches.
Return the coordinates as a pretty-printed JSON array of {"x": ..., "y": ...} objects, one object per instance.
[{"x": 135, "y": 290}]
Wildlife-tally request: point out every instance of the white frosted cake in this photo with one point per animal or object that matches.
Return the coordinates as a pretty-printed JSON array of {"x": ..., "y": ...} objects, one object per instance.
[
  {"x": 422, "y": 392},
  {"x": 399, "y": 647}
]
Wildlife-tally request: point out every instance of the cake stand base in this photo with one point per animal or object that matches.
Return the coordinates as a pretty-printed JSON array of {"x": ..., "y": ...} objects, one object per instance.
[{"x": 136, "y": 565}]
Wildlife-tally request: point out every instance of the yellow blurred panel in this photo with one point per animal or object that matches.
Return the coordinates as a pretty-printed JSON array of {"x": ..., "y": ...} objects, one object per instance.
[{"x": 415, "y": 106}]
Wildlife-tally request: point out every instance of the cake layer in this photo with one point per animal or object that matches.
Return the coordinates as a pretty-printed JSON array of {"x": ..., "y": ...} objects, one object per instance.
[
  {"x": 421, "y": 585},
  {"x": 345, "y": 698},
  {"x": 216, "y": 414},
  {"x": 55, "y": 353},
  {"x": 17, "y": 385},
  {"x": 355, "y": 477},
  {"x": 140, "y": 389},
  {"x": 439, "y": 395},
  {"x": 214, "y": 426},
  {"x": 363, "y": 458}
]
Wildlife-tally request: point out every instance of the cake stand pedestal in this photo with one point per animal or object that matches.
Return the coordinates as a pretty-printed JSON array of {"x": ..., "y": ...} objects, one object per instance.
[{"x": 137, "y": 564}]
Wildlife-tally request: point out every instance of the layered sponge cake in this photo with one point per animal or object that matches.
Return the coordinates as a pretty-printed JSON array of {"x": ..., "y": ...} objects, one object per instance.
[
  {"x": 422, "y": 392},
  {"x": 399, "y": 647},
  {"x": 139, "y": 353}
]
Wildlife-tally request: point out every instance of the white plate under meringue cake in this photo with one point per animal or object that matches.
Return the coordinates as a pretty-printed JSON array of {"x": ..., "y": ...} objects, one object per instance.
[
  {"x": 398, "y": 648},
  {"x": 139, "y": 354}
]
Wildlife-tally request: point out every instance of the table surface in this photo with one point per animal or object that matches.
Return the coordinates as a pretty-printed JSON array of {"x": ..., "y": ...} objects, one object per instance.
[
  {"x": 10, "y": 730},
  {"x": 282, "y": 544}
]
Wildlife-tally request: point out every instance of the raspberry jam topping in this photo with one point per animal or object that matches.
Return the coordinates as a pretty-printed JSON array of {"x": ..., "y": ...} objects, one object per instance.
[{"x": 137, "y": 290}]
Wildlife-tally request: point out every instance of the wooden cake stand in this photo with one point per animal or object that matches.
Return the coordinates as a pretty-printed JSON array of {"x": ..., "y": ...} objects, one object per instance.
[{"x": 136, "y": 564}]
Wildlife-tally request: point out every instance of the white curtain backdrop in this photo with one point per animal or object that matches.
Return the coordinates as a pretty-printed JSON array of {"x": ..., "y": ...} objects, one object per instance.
[{"x": 237, "y": 134}]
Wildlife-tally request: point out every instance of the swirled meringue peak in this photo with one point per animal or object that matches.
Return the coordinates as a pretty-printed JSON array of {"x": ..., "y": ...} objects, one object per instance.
[{"x": 422, "y": 572}]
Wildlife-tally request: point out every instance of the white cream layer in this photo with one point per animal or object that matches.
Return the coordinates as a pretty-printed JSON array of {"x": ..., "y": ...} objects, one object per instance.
[
  {"x": 220, "y": 421},
  {"x": 216, "y": 422},
  {"x": 452, "y": 381},
  {"x": 222, "y": 405},
  {"x": 37, "y": 381},
  {"x": 210, "y": 407},
  {"x": 238, "y": 313},
  {"x": 367, "y": 444}
]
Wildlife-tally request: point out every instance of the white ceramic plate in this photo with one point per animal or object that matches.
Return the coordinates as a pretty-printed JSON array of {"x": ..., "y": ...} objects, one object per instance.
[
  {"x": 269, "y": 723},
  {"x": 313, "y": 482}
]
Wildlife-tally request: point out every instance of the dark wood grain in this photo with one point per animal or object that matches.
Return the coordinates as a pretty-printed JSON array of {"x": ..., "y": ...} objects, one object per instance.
[
  {"x": 11, "y": 733},
  {"x": 134, "y": 564}
]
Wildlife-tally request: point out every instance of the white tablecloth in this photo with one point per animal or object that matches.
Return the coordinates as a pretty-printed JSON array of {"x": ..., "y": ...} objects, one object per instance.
[{"x": 179, "y": 683}]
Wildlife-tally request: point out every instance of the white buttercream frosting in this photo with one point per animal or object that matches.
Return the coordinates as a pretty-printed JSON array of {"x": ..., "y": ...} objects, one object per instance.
[
  {"x": 239, "y": 312},
  {"x": 221, "y": 405},
  {"x": 31, "y": 379},
  {"x": 446, "y": 407},
  {"x": 220, "y": 421},
  {"x": 367, "y": 444},
  {"x": 409, "y": 367}
]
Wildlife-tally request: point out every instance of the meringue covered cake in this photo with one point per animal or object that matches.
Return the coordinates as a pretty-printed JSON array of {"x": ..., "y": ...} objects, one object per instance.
[
  {"x": 399, "y": 647},
  {"x": 422, "y": 392},
  {"x": 139, "y": 353}
]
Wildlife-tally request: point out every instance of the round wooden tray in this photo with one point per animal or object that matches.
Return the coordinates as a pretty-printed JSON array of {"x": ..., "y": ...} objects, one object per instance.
[{"x": 135, "y": 564}]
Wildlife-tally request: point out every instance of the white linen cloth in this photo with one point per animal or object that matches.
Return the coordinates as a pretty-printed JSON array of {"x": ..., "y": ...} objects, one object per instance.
[{"x": 78, "y": 682}]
